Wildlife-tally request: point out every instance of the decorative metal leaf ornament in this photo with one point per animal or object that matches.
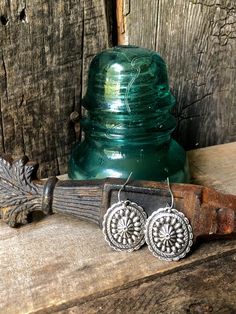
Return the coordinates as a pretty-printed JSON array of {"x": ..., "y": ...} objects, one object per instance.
[{"x": 19, "y": 194}]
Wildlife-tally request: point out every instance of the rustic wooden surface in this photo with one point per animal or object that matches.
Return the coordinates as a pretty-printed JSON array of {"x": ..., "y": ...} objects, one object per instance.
[
  {"x": 197, "y": 38},
  {"x": 45, "y": 49},
  {"x": 191, "y": 290},
  {"x": 217, "y": 170},
  {"x": 63, "y": 265}
]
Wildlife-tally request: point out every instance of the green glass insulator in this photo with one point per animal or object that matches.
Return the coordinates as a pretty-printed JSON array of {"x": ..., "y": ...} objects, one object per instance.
[{"x": 128, "y": 122}]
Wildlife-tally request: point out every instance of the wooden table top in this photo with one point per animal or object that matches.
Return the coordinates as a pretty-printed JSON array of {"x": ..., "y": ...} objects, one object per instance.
[{"x": 61, "y": 264}]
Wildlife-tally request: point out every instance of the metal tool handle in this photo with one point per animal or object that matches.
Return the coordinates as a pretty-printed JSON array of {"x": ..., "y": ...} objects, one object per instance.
[
  {"x": 21, "y": 193},
  {"x": 210, "y": 213},
  {"x": 82, "y": 199}
]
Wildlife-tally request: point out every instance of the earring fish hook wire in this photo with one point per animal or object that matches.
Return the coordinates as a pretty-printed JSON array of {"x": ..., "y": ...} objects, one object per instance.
[
  {"x": 124, "y": 186},
  {"x": 171, "y": 194}
]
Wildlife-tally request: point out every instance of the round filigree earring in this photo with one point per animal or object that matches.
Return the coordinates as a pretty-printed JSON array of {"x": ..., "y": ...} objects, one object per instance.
[
  {"x": 123, "y": 225},
  {"x": 168, "y": 233}
]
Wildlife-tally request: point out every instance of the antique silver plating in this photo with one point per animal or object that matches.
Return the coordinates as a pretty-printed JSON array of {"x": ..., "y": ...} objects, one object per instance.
[
  {"x": 168, "y": 234},
  {"x": 123, "y": 226}
]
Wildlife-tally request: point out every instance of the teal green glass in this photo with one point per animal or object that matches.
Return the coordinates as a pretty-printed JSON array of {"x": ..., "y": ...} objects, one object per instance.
[{"x": 128, "y": 122}]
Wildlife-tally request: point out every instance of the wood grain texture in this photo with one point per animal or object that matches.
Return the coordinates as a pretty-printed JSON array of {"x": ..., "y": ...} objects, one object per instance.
[
  {"x": 217, "y": 170},
  {"x": 63, "y": 264},
  {"x": 186, "y": 291},
  {"x": 198, "y": 41},
  {"x": 60, "y": 262},
  {"x": 45, "y": 49}
]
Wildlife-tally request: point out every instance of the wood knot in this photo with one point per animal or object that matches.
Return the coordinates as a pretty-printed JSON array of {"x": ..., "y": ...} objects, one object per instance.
[
  {"x": 74, "y": 117},
  {"x": 4, "y": 20}
]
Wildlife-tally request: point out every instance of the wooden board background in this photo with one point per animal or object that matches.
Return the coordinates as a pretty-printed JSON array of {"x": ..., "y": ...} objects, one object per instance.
[
  {"x": 46, "y": 47},
  {"x": 197, "y": 38}
]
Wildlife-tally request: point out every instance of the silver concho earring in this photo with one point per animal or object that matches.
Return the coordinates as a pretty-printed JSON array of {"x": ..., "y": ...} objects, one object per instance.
[
  {"x": 123, "y": 225},
  {"x": 168, "y": 233}
]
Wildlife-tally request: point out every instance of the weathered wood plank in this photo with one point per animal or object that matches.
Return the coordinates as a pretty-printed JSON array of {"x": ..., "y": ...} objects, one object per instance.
[
  {"x": 217, "y": 169},
  {"x": 62, "y": 263},
  {"x": 197, "y": 289},
  {"x": 197, "y": 39},
  {"x": 45, "y": 49}
]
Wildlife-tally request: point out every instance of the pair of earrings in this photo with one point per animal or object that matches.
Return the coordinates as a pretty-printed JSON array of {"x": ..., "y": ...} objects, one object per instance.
[{"x": 167, "y": 231}]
